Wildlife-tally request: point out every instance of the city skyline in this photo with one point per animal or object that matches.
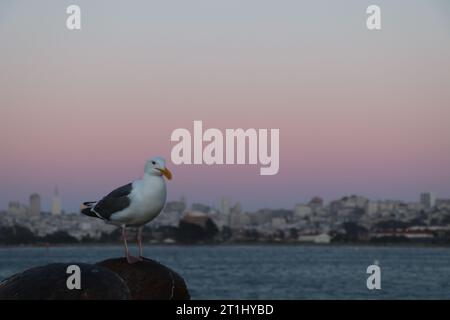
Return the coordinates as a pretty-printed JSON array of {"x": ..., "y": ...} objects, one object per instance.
[
  {"x": 358, "y": 111},
  {"x": 346, "y": 219},
  {"x": 426, "y": 198}
]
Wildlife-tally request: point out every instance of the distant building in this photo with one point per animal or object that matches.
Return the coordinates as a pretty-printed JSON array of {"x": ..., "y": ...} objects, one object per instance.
[
  {"x": 176, "y": 206},
  {"x": 168, "y": 218},
  {"x": 225, "y": 206},
  {"x": 302, "y": 211},
  {"x": 414, "y": 206},
  {"x": 278, "y": 222},
  {"x": 200, "y": 207},
  {"x": 387, "y": 205},
  {"x": 348, "y": 204},
  {"x": 236, "y": 218},
  {"x": 316, "y": 202},
  {"x": 443, "y": 203},
  {"x": 56, "y": 203},
  {"x": 428, "y": 199},
  {"x": 237, "y": 208},
  {"x": 353, "y": 201},
  {"x": 371, "y": 208},
  {"x": 15, "y": 207},
  {"x": 35, "y": 204},
  {"x": 184, "y": 201},
  {"x": 240, "y": 221},
  {"x": 315, "y": 238}
]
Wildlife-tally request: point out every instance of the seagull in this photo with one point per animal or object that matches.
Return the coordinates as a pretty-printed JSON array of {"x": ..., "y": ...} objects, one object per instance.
[{"x": 134, "y": 204}]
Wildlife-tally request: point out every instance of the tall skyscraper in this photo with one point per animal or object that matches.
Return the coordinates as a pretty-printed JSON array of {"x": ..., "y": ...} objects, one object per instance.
[
  {"x": 428, "y": 199},
  {"x": 56, "y": 203},
  {"x": 35, "y": 204},
  {"x": 225, "y": 206}
]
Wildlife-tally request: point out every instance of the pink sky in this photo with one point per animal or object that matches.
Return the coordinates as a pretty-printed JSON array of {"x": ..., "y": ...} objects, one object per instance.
[{"x": 358, "y": 112}]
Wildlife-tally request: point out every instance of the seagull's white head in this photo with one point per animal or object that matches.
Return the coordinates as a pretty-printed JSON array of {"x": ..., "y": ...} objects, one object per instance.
[{"x": 157, "y": 167}]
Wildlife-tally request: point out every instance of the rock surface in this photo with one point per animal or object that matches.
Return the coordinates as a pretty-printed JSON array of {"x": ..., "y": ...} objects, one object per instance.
[
  {"x": 50, "y": 283},
  {"x": 148, "y": 279},
  {"x": 112, "y": 279}
]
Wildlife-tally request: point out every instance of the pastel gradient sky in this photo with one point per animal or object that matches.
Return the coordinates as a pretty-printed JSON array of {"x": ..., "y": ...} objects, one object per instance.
[{"x": 359, "y": 112}]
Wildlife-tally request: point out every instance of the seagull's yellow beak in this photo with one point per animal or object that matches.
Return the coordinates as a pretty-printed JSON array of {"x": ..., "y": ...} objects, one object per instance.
[{"x": 166, "y": 172}]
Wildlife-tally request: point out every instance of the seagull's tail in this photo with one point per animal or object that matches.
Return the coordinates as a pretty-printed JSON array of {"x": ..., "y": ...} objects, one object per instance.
[{"x": 86, "y": 208}]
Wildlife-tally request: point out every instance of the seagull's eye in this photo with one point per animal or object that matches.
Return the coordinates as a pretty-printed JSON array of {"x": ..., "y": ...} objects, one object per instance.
[{"x": 153, "y": 162}]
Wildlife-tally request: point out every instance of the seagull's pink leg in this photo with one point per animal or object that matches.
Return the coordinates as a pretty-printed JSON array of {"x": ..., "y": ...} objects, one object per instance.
[
  {"x": 139, "y": 240},
  {"x": 129, "y": 257},
  {"x": 124, "y": 238}
]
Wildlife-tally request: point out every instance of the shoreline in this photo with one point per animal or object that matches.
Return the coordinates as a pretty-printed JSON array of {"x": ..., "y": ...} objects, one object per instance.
[{"x": 236, "y": 244}]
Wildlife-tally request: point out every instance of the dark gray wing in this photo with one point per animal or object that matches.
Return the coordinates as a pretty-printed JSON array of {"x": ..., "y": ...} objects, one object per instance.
[{"x": 115, "y": 201}]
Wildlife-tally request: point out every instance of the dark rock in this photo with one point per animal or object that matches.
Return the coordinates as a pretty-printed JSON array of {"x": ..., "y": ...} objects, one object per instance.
[
  {"x": 196, "y": 228},
  {"x": 148, "y": 279},
  {"x": 16, "y": 235},
  {"x": 59, "y": 237},
  {"x": 49, "y": 283}
]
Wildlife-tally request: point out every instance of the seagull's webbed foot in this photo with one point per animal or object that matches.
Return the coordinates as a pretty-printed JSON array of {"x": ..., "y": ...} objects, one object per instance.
[{"x": 132, "y": 259}]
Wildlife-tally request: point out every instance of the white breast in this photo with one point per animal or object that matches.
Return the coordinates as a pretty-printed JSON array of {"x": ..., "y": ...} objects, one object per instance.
[{"x": 148, "y": 198}]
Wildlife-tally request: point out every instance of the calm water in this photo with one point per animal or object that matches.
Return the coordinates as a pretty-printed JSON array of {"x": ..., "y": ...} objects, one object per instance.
[{"x": 274, "y": 272}]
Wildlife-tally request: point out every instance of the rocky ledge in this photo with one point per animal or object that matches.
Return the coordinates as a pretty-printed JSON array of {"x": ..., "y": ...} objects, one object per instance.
[{"x": 112, "y": 279}]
